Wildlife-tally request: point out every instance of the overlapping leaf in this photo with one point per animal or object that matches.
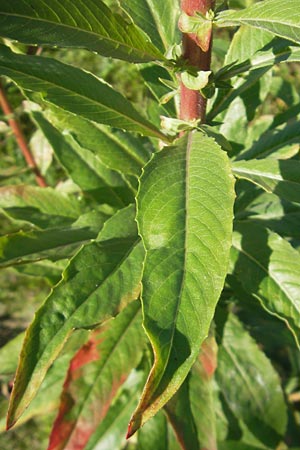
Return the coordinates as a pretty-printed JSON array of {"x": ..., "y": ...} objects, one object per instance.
[
  {"x": 99, "y": 282},
  {"x": 95, "y": 374},
  {"x": 250, "y": 384},
  {"x": 86, "y": 24},
  {"x": 271, "y": 15},
  {"x": 184, "y": 216},
  {"x": 268, "y": 267},
  {"x": 278, "y": 176},
  {"x": 74, "y": 90}
]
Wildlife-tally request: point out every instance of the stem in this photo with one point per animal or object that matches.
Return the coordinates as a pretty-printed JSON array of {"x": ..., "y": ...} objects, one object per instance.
[
  {"x": 20, "y": 138},
  {"x": 193, "y": 104}
]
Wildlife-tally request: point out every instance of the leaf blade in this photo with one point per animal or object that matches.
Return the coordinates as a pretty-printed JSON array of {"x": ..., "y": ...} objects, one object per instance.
[{"x": 175, "y": 203}]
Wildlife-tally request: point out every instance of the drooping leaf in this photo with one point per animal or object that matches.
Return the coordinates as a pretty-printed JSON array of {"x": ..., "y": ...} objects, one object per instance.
[
  {"x": 76, "y": 24},
  {"x": 42, "y": 207},
  {"x": 96, "y": 372},
  {"x": 201, "y": 394},
  {"x": 268, "y": 267},
  {"x": 184, "y": 216},
  {"x": 250, "y": 384},
  {"x": 158, "y": 19},
  {"x": 278, "y": 176},
  {"x": 74, "y": 90},
  {"x": 111, "y": 433},
  {"x": 85, "y": 168},
  {"x": 116, "y": 150},
  {"x": 279, "y": 18},
  {"x": 180, "y": 416},
  {"x": 53, "y": 243},
  {"x": 101, "y": 279}
]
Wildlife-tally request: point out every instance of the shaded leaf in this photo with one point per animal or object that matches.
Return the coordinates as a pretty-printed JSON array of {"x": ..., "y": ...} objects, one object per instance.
[
  {"x": 268, "y": 267},
  {"x": 101, "y": 279},
  {"x": 96, "y": 372},
  {"x": 9, "y": 355},
  {"x": 278, "y": 176},
  {"x": 154, "y": 434},
  {"x": 76, "y": 24},
  {"x": 250, "y": 385},
  {"x": 184, "y": 217},
  {"x": 74, "y": 90},
  {"x": 270, "y": 15}
]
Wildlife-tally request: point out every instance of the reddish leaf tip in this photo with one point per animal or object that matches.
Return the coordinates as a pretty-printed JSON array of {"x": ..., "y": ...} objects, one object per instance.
[{"x": 132, "y": 428}]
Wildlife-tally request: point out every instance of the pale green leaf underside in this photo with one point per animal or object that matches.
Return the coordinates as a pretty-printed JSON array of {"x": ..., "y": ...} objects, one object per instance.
[
  {"x": 278, "y": 17},
  {"x": 249, "y": 382},
  {"x": 74, "y": 90},
  {"x": 157, "y": 18},
  {"x": 86, "y": 24},
  {"x": 99, "y": 281},
  {"x": 278, "y": 176},
  {"x": 268, "y": 267},
  {"x": 185, "y": 218}
]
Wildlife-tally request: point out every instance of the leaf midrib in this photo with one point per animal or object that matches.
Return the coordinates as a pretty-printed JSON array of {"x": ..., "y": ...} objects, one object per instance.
[
  {"x": 117, "y": 44},
  {"x": 140, "y": 124}
]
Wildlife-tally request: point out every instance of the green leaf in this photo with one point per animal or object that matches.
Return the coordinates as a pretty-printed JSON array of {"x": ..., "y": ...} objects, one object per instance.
[
  {"x": 250, "y": 384},
  {"x": 76, "y": 24},
  {"x": 96, "y": 372},
  {"x": 112, "y": 430},
  {"x": 268, "y": 267},
  {"x": 154, "y": 434},
  {"x": 9, "y": 355},
  {"x": 74, "y": 90},
  {"x": 42, "y": 207},
  {"x": 54, "y": 244},
  {"x": 116, "y": 150},
  {"x": 185, "y": 218},
  {"x": 158, "y": 19},
  {"x": 279, "y": 18},
  {"x": 278, "y": 176},
  {"x": 85, "y": 168},
  {"x": 202, "y": 396},
  {"x": 99, "y": 282}
]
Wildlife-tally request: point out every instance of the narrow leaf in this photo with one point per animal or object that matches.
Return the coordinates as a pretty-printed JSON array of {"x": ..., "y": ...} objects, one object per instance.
[
  {"x": 76, "y": 24},
  {"x": 74, "y": 90},
  {"x": 99, "y": 282},
  {"x": 268, "y": 267},
  {"x": 278, "y": 176},
  {"x": 95, "y": 374},
  {"x": 271, "y": 15},
  {"x": 250, "y": 384},
  {"x": 185, "y": 218}
]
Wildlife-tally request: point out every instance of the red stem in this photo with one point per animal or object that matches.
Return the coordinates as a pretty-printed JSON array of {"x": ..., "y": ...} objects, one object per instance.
[
  {"x": 193, "y": 104},
  {"x": 20, "y": 138}
]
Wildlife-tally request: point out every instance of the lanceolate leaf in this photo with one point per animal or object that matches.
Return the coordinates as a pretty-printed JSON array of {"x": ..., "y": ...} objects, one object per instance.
[
  {"x": 116, "y": 150},
  {"x": 268, "y": 267},
  {"x": 185, "y": 218},
  {"x": 99, "y": 282},
  {"x": 157, "y": 18},
  {"x": 56, "y": 243},
  {"x": 86, "y": 24},
  {"x": 85, "y": 168},
  {"x": 250, "y": 384},
  {"x": 271, "y": 15},
  {"x": 42, "y": 207},
  {"x": 95, "y": 374},
  {"x": 74, "y": 90},
  {"x": 278, "y": 176}
]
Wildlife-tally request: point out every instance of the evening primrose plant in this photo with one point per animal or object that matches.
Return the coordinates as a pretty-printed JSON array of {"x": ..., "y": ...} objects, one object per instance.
[{"x": 173, "y": 246}]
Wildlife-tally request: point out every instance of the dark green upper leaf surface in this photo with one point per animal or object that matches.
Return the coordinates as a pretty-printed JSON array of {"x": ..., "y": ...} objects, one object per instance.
[
  {"x": 86, "y": 24},
  {"x": 278, "y": 176},
  {"x": 268, "y": 267},
  {"x": 99, "y": 281},
  {"x": 74, "y": 90},
  {"x": 185, "y": 218},
  {"x": 280, "y": 18},
  {"x": 250, "y": 384}
]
